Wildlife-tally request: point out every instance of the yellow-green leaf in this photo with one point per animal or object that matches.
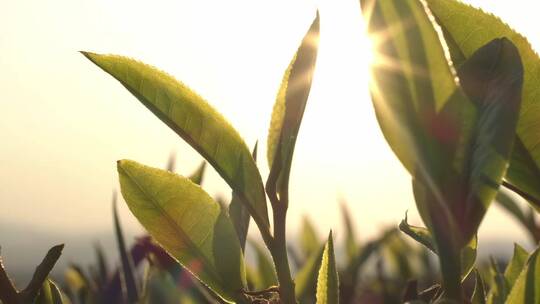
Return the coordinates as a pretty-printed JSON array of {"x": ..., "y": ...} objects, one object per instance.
[
  {"x": 289, "y": 110},
  {"x": 187, "y": 223},
  {"x": 328, "y": 281},
  {"x": 200, "y": 125},
  {"x": 515, "y": 266},
  {"x": 411, "y": 77},
  {"x": 527, "y": 286}
]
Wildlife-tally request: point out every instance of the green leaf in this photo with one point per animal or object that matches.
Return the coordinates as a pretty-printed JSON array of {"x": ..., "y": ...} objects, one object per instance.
[
  {"x": 455, "y": 141},
  {"x": 419, "y": 234},
  {"x": 267, "y": 276},
  {"x": 499, "y": 290},
  {"x": 289, "y": 110},
  {"x": 238, "y": 212},
  {"x": 327, "y": 281},
  {"x": 188, "y": 223},
  {"x": 200, "y": 125},
  {"x": 424, "y": 237},
  {"x": 306, "y": 278},
  {"x": 527, "y": 286},
  {"x": 197, "y": 176},
  {"x": 468, "y": 29},
  {"x": 516, "y": 264},
  {"x": 129, "y": 283},
  {"x": 410, "y": 60},
  {"x": 479, "y": 294},
  {"x": 309, "y": 241}
]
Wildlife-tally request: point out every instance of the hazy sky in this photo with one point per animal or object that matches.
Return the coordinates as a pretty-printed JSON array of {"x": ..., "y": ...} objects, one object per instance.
[{"x": 64, "y": 122}]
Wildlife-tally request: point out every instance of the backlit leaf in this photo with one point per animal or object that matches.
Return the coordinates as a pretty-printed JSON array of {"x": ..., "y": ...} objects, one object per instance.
[
  {"x": 527, "y": 286},
  {"x": 516, "y": 265},
  {"x": 188, "y": 223},
  {"x": 289, "y": 110},
  {"x": 328, "y": 281},
  {"x": 200, "y": 125}
]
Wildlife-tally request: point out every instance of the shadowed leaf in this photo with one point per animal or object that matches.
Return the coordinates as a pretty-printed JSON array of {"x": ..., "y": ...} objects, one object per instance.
[
  {"x": 306, "y": 278},
  {"x": 479, "y": 294},
  {"x": 238, "y": 212},
  {"x": 266, "y": 272},
  {"x": 469, "y": 28},
  {"x": 128, "y": 270}
]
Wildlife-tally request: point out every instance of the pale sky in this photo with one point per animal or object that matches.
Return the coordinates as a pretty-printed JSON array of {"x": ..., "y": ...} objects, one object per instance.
[{"x": 64, "y": 122}]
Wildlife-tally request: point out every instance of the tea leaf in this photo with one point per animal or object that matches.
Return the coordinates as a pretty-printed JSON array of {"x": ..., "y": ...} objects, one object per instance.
[
  {"x": 306, "y": 278},
  {"x": 198, "y": 175},
  {"x": 527, "y": 286},
  {"x": 499, "y": 290},
  {"x": 193, "y": 119},
  {"x": 160, "y": 288},
  {"x": 328, "y": 282},
  {"x": 479, "y": 295},
  {"x": 468, "y": 29},
  {"x": 128, "y": 269},
  {"x": 309, "y": 241},
  {"x": 516, "y": 265},
  {"x": 238, "y": 212},
  {"x": 188, "y": 223},
  {"x": 289, "y": 110},
  {"x": 411, "y": 61},
  {"x": 267, "y": 276},
  {"x": 424, "y": 237}
]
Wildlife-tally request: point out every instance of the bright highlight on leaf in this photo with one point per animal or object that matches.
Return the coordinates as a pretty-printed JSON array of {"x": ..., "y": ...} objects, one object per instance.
[
  {"x": 289, "y": 110},
  {"x": 328, "y": 281},
  {"x": 188, "y": 224}
]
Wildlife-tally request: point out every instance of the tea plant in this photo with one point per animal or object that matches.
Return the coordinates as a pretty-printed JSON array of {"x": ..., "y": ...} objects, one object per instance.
[
  {"x": 455, "y": 94},
  {"x": 181, "y": 216},
  {"x": 453, "y": 124}
]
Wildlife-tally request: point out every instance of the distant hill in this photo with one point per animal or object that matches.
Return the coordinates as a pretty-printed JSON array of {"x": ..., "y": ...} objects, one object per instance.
[{"x": 23, "y": 247}]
